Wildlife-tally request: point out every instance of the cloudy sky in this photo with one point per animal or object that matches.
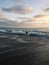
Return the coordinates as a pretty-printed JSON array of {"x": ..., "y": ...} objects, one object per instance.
[{"x": 24, "y": 13}]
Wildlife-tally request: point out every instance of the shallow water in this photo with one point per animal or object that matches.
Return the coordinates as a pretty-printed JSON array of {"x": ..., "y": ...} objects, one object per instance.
[{"x": 22, "y": 52}]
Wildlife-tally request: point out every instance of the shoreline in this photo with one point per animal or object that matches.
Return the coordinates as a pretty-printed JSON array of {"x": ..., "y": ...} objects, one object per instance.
[{"x": 19, "y": 50}]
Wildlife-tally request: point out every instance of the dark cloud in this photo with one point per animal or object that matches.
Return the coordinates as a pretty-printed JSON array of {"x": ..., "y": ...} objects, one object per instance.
[
  {"x": 19, "y": 9},
  {"x": 46, "y": 9},
  {"x": 8, "y": 23},
  {"x": 39, "y": 16}
]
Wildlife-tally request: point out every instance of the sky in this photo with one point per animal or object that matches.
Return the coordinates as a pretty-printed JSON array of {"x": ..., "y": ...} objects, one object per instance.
[
  {"x": 36, "y": 6},
  {"x": 22, "y": 11}
]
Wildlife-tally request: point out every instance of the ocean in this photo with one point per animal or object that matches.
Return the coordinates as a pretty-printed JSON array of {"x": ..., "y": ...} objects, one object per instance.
[{"x": 26, "y": 29}]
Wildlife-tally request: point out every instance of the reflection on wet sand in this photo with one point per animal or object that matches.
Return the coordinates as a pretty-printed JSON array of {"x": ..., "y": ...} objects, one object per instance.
[{"x": 24, "y": 50}]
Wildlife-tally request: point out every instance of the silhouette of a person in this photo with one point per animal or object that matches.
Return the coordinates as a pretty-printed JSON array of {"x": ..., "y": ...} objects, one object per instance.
[{"x": 26, "y": 33}]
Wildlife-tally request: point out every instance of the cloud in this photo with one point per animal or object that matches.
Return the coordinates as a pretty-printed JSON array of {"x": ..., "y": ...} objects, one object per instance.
[
  {"x": 7, "y": 23},
  {"x": 45, "y": 11},
  {"x": 2, "y": 16},
  {"x": 14, "y": 24},
  {"x": 23, "y": 24},
  {"x": 39, "y": 16},
  {"x": 43, "y": 15},
  {"x": 19, "y": 9}
]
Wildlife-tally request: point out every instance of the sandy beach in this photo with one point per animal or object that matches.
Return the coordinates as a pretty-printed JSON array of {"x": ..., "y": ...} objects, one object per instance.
[{"x": 24, "y": 50}]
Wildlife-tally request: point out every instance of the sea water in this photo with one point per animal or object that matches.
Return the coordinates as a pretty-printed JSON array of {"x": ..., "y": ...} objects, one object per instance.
[{"x": 26, "y": 29}]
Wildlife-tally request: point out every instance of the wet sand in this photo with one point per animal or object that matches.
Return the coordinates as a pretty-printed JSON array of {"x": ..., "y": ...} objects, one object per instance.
[{"x": 24, "y": 50}]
